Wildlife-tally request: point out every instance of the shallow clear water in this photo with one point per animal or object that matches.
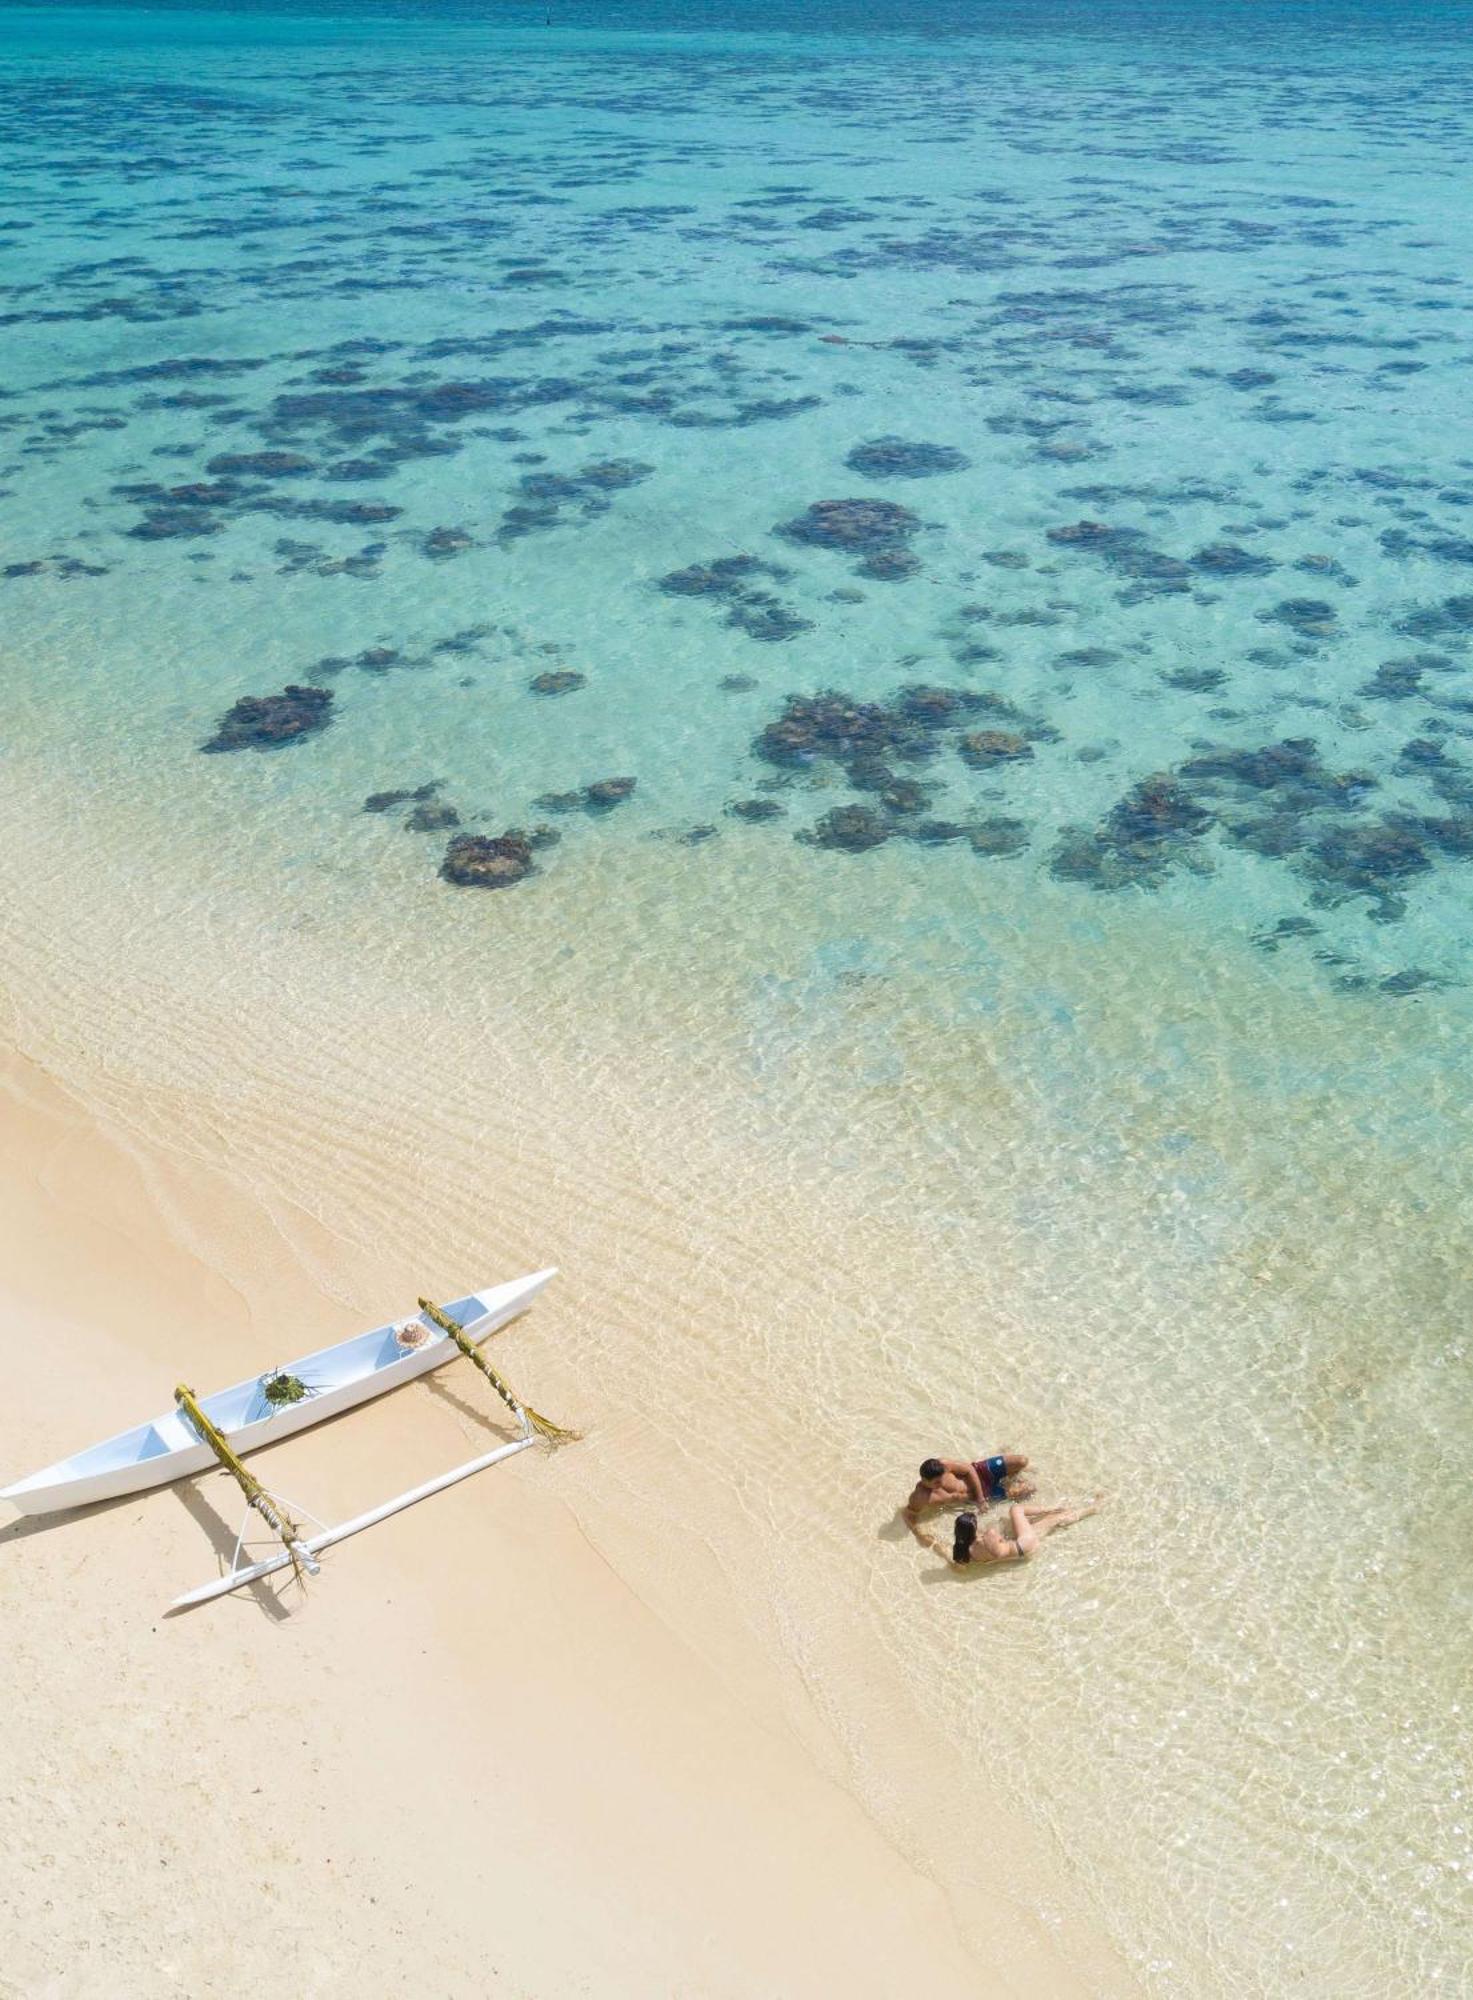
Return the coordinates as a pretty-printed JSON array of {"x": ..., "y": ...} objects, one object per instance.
[{"x": 414, "y": 357}]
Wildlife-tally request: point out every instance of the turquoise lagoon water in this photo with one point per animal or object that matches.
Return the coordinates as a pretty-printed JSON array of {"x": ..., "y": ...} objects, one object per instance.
[{"x": 420, "y": 354}]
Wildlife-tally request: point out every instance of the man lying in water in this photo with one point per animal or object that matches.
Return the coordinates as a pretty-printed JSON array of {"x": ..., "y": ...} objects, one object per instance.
[
  {"x": 1029, "y": 1524},
  {"x": 944, "y": 1481}
]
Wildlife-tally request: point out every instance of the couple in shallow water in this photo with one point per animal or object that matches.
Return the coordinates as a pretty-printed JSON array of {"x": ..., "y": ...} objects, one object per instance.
[{"x": 981, "y": 1482}]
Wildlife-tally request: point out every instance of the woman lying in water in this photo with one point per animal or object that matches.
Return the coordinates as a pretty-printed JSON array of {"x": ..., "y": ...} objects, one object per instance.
[{"x": 1029, "y": 1524}]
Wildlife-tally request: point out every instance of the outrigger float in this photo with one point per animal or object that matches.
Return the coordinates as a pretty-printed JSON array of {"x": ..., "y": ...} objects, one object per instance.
[{"x": 222, "y": 1428}]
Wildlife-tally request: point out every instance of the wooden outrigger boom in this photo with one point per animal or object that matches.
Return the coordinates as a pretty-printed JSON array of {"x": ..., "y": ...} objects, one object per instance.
[
  {"x": 280, "y": 1523},
  {"x": 523, "y": 1412}
]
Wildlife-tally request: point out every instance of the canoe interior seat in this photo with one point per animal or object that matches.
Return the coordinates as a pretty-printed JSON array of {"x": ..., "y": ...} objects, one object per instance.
[{"x": 233, "y": 1407}]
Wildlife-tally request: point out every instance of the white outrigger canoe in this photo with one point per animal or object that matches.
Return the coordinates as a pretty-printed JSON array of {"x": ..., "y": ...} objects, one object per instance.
[
  {"x": 245, "y": 1417},
  {"x": 336, "y": 1378}
]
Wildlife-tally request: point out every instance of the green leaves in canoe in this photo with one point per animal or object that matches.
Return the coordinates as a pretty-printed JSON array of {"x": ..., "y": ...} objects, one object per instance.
[{"x": 279, "y": 1390}]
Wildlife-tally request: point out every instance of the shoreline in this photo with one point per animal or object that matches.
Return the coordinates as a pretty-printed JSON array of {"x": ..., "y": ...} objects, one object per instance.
[{"x": 656, "y": 1826}]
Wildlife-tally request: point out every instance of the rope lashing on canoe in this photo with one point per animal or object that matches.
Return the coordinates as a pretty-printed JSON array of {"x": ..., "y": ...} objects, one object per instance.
[
  {"x": 523, "y": 1412},
  {"x": 280, "y": 1523}
]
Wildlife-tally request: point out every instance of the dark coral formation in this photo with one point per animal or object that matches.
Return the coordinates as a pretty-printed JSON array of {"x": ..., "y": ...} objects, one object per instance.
[
  {"x": 1274, "y": 936},
  {"x": 200, "y": 507},
  {"x": 435, "y": 816},
  {"x": 1451, "y": 548},
  {"x": 755, "y": 809},
  {"x": 544, "y": 496},
  {"x": 560, "y": 680},
  {"x": 600, "y": 797},
  {"x": 982, "y": 748},
  {"x": 1088, "y": 656},
  {"x": 1375, "y": 860},
  {"x": 1424, "y": 755},
  {"x": 264, "y": 721},
  {"x": 862, "y": 735},
  {"x": 870, "y": 774},
  {"x": 752, "y": 610},
  {"x": 901, "y": 458},
  {"x": 441, "y": 543},
  {"x": 316, "y": 561},
  {"x": 1280, "y": 800},
  {"x": 998, "y": 838},
  {"x": 178, "y": 524},
  {"x": 904, "y": 797},
  {"x": 1308, "y": 617},
  {"x": 1450, "y": 620},
  {"x": 1149, "y": 572},
  {"x": 889, "y": 566},
  {"x": 1416, "y": 979},
  {"x": 1196, "y": 680},
  {"x": 392, "y": 659},
  {"x": 1405, "y": 679},
  {"x": 1157, "y": 809},
  {"x": 1137, "y": 841},
  {"x": 382, "y": 802},
  {"x": 828, "y": 724},
  {"x": 63, "y": 566},
  {"x": 1227, "y": 559},
  {"x": 1429, "y": 761},
  {"x": 717, "y": 578},
  {"x": 606, "y": 793},
  {"x": 851, "y": 829},
  {"x": 1091, "y": 535},
  {"x": 761, "y": 616},
  {"x": 612, "y": 475},
  {"x": 261, "y": 464},
  {"x": 485, "y": 861},
  {"x": 934, "y": 707},
  {"x": 867, "y": 740},
  {"x": 854, "y": 527},
  {"x": 1292, "y": 769}
]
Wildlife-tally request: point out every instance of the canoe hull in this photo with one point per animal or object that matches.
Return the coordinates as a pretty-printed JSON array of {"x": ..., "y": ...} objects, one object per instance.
[{"x": 353, "y": 1372}]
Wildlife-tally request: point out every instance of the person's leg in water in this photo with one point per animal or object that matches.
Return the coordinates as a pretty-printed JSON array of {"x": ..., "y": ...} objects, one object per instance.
[
  {"x": 1043, "y": 1520},
  {"x": 1030, "y": 1525},
  {"x": 1018, "y": 1483}
]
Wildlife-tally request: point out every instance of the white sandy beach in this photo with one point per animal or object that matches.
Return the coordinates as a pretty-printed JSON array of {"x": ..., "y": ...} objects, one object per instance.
[{"x": 472, "y": 1760}]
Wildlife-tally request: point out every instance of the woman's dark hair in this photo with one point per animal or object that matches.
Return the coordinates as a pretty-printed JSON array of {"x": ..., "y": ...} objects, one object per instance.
[
  {"x": 965, "y": 1535},
  {"x": 932, "y": 1468}
]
